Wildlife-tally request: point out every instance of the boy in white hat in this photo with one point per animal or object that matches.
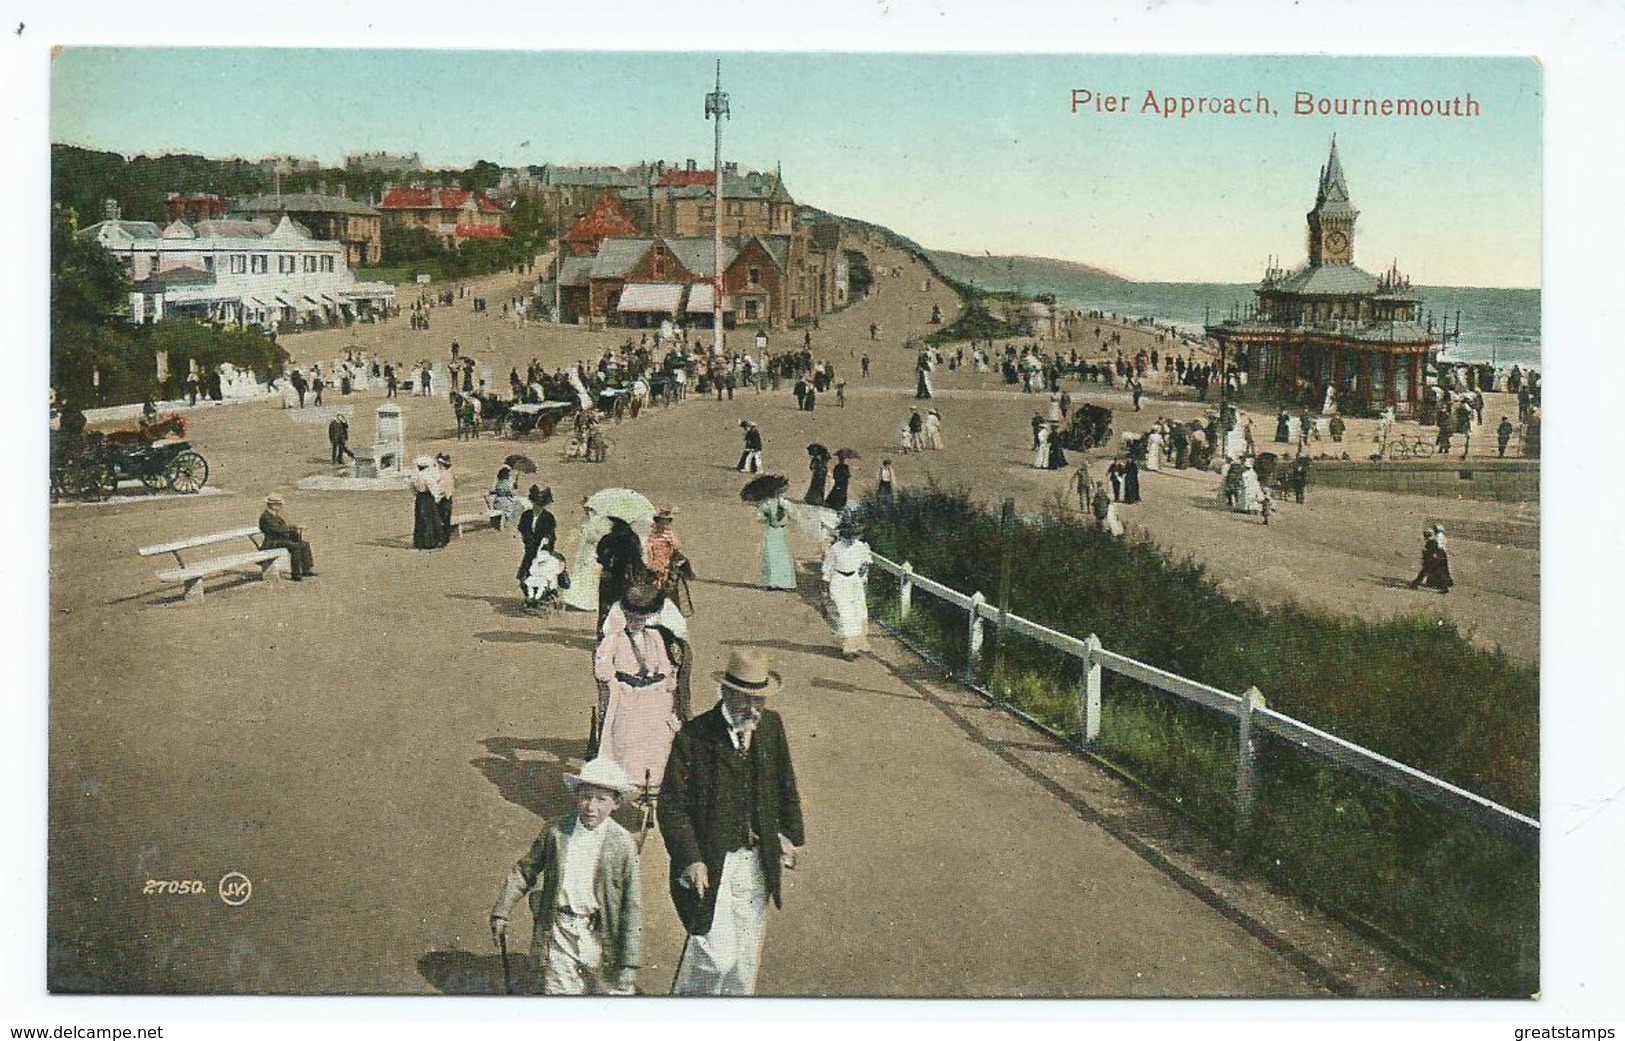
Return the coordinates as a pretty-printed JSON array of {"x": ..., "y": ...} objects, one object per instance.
[{"x": 581, "y": 876}]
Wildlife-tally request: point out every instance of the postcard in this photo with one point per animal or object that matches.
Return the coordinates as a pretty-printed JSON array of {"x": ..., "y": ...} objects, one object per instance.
[{"x": 794, "y": 524}]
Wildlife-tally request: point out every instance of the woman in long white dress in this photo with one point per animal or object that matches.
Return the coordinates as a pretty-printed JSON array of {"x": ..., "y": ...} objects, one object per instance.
[
  {"x": 846, "y": 571},
  {"x": 1249, "y": 500},
  {"x": 933, "y": 429},
  {"x": 1041, "y": 453},
  {"x": 1153, "y": 450},
  {"x": 583, "y": 592}
]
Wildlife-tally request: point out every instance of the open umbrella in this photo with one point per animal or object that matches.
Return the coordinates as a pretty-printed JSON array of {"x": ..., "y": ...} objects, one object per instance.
[
  {"x": 630, "y": 506},
  {"x": 817, "y": 449},
  {"x": 847, "y": 453},
  {"x": 521, "y": 463},
  {"x": 765, "y": 487}
]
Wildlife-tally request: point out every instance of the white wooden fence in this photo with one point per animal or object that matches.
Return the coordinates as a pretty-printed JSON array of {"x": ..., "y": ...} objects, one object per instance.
[{"x": 1247, "y": 709}]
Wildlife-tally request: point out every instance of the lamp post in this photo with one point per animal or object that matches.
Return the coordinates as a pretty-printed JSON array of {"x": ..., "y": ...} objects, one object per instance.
[{"x": 716, "y": 108}]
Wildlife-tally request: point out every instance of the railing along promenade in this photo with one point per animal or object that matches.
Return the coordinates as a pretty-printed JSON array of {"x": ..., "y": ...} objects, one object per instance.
[{"x": 1247, "y": 710}]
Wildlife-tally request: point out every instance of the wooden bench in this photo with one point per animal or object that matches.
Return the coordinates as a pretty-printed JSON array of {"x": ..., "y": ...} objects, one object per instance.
[
  {"x": 490, "y": 518},
  {"x": 268, "y": 561},
  {"x": 192, "y": 576}
]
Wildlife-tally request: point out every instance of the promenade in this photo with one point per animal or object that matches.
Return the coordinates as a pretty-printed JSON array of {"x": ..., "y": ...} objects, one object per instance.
[{"x": 374, "y": 747}]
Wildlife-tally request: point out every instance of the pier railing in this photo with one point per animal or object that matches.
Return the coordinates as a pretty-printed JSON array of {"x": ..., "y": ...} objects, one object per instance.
[{"x": 1246, "y": 710}]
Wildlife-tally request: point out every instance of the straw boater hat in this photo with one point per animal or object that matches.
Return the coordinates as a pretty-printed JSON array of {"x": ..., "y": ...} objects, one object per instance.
[
  {"x": 666, "y": 513},
  {"x": 600, "y": 773},
  {"x": 423, "y": 462},
  {"x": 273, "y": 500},
  {"x": 748, "y": 673}
]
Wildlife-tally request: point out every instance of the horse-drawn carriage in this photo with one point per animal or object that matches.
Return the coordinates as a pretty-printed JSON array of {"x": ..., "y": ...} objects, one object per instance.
[
  {"x": 1089, "y": 426},
  {"x": 525, "y": 418},
  {"x": 89, "y": 464}
]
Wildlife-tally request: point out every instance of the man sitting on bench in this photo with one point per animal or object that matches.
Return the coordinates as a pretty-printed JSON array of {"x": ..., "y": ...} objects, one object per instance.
[{"x": 279, "y": 534}]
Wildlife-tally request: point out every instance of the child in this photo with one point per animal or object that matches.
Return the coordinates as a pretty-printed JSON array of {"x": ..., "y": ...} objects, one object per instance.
[
  {"x": 887, "y": 480},
  {"x": 581, "y": 876}
]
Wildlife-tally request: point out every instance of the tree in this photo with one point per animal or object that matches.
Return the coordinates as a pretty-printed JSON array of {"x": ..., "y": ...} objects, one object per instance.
[{"x": 87, "y": 283}]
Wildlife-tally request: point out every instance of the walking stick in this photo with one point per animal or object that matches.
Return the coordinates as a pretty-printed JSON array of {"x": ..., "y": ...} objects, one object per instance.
[
  {"x": 680, "y": 957},
  {"x": 507, "y": 979}
]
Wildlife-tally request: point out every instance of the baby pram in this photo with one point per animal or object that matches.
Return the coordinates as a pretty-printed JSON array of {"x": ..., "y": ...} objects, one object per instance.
[{"x": 544, "y": 582}]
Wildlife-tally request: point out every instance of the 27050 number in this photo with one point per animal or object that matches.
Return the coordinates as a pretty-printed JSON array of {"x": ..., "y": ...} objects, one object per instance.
[{"x": 169, "y": 886}]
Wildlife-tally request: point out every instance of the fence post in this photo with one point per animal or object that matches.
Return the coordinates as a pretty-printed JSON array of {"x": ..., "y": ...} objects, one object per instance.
[
  {"x": 1089, "y": 695},
  {"x": 1246, "y": 774},
  {"x": 973, "y": 652},
  {"x": 905, "y": 592}
]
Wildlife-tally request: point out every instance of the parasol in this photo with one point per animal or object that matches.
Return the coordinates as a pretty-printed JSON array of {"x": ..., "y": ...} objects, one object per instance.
[
  {"x": 520, "y": 463},
  {"x": 628, "y": 505},
  {"x": 765, "y": 487},
  {"x": 847, "y": 453},
  {"x": 817, "y": 449}
]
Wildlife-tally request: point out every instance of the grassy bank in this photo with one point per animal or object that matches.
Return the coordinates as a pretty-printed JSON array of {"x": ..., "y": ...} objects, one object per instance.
[{"x": 1455, "y": 892}]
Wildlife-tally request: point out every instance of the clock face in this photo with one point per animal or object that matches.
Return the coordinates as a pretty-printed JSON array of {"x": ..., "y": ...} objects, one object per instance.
[{"x": 1337, "y": 242}]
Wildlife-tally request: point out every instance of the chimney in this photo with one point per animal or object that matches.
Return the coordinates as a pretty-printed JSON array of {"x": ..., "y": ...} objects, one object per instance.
[
  {"x": 344, "y": 192},
  {"x": 730, "y": 169},
  {"x": 174, "y": 206},
  {"x": 692, "y": 166},
  {"x": 110, "y": 209}
]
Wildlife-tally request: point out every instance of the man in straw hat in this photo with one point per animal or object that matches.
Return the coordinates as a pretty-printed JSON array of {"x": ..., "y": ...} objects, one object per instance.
[
  {"x": 581, "y": 876},
  {"x": 731, "y": 819},
  {"x": 277, "y": 533}
]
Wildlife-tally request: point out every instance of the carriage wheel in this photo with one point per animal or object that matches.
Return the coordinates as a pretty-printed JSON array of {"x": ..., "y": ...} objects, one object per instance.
[
  {"x": 154, "y": 477},
  {"x": 188, "y": 473},
  {"x": 101, "y": 481}
]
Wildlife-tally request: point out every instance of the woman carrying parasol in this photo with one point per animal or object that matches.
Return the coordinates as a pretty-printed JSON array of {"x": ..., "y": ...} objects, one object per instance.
[
  {"x": 773, "y": 509},
  {"x": 818, "y": 463}
]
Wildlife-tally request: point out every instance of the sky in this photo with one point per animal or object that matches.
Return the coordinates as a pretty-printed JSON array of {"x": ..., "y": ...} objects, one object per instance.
[{"x": 967, "y": 152}]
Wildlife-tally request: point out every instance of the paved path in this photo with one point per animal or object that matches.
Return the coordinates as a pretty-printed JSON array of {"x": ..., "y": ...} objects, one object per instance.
[{"x": 373, "y": 747}]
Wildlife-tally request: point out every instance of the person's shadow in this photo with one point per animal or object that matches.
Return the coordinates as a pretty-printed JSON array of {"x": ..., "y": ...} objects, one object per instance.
[
  {"x": 464, "y": 972},
  {"x": 529, "y": 772}
]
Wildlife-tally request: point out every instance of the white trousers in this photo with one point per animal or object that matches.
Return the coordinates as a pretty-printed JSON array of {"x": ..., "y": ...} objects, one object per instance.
[
  {"x": 725, "y": 960},
  {"x": 575, "y": 959}
]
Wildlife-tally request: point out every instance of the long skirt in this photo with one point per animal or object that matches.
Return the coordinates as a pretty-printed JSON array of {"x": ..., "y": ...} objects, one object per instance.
[
  {"x": 778, "y": 568},
  {"x": 836, "y": 500},
  {"x": 426, "y": 527},
  {"x": 815, "y": 491},
  {"x": 851, "y": 621},
  {"x": 583, "y": 592},
  {"x": 638, "y": 729},
  {"x": 443, "y": 506}
]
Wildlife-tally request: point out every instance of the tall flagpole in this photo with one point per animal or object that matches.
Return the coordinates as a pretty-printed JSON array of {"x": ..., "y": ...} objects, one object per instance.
[{"x": 716, "y": 107}]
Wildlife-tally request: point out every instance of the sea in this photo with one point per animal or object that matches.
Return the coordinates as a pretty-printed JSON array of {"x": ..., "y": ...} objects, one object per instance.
[{"x": 1498, "y": 326}]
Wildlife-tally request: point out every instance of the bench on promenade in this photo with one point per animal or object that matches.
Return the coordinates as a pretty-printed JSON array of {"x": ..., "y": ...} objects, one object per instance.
[
  {"x": 192, "y": 575},
  {"x": 489, "y": 518}
]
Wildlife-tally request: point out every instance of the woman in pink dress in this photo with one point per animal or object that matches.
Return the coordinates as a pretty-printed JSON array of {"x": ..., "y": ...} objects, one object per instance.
[{"x": 637, "y": 686}]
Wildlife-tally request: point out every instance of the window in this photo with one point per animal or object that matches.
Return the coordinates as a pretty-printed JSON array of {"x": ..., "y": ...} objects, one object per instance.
[
  {"x": 755, "y": 275},
  {"x": 208, "y": 263},
  {"x": 707, "y": 212},
  {"x": 239, "y": 263},
  {"x": 1379, "y": 376},
  {"x": 658, "y": 265},
  {"x": 327, "y": 263},
  {"x": 752, "y": 310},
  {"x": 259, "y": 263},
  {"x": 286, "y": 265},
  {"x": 309, "y": 262}
]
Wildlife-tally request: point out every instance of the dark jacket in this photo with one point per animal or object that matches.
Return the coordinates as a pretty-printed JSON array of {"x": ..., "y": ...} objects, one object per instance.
[
  {"x": 276, "y": 531},
  {"x": 539, "y": 530},
  {"x": 753, "y": 440},
  {"x": 704, "y": 775}
]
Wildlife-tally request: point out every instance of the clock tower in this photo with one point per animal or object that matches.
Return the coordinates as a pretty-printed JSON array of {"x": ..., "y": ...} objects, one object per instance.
[{"x": 1331, "y": 222}]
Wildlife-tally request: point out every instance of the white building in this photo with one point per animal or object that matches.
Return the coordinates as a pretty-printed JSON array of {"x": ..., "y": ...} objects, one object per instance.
[{"x": 250, "y": 273}]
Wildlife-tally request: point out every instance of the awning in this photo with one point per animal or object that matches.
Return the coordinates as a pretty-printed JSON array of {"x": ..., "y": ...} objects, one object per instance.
[
  {"x": 255, "y": 303},
  {"x": 312, "y": 301},
  {"x": 329, "y": 301},
  {"x": 284, "y": 301},
  {"x": 651, "y": 297},
  {"x": 701, "y": 299}
]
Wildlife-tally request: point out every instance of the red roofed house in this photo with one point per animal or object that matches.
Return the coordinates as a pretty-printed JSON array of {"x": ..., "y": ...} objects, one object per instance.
[
  {"x": 451, "y": 214},
  {"x": 607, "y": 218}
]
